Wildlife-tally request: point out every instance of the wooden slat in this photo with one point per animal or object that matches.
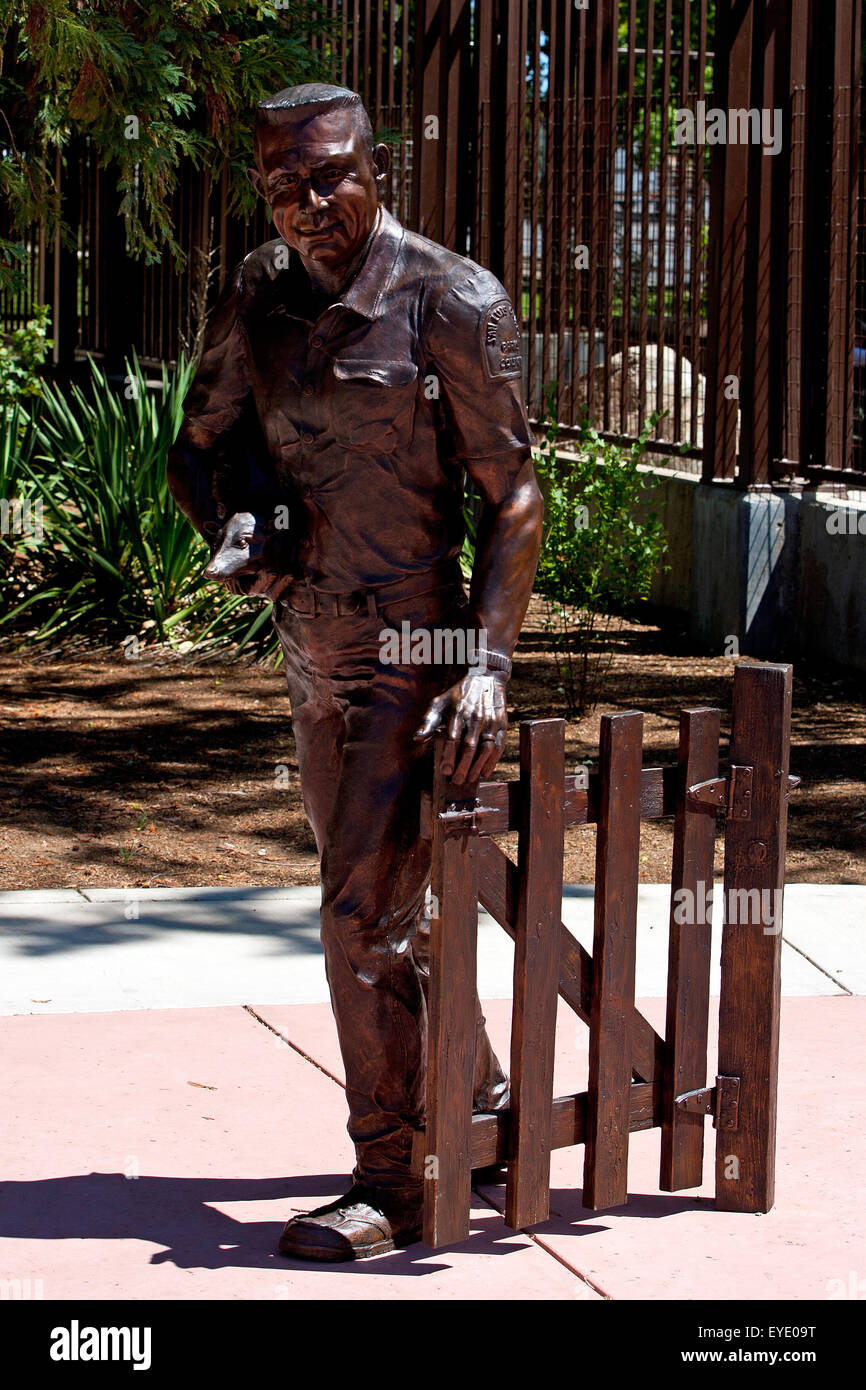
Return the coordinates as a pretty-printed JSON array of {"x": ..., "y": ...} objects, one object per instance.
[
  {"x": 690, "y": 931},
  {"x": 497, "y": 891},
  {"x": 614, "y": 942},
  {"x": 751, "y": 949},
  {"x": 451, "y": 1024},
  {"x": 536, "y": 970}
]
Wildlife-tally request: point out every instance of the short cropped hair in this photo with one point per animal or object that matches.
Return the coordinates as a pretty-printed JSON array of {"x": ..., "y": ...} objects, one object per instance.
[{"x": 316, "y": 97}]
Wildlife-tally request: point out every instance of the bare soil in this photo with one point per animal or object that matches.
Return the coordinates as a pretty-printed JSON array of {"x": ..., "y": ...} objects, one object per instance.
[{"x": 160, "y": 772}]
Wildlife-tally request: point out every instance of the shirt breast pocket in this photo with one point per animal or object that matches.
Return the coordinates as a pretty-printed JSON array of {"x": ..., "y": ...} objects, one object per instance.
[{"x": 374, "y": 403}]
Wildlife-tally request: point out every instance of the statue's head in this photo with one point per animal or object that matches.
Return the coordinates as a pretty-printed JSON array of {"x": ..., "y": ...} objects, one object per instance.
[{"x": 319, "y": 171}]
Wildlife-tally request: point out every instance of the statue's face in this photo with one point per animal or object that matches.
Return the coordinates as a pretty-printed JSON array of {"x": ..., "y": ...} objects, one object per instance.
[{"x": 320, "y": 182}]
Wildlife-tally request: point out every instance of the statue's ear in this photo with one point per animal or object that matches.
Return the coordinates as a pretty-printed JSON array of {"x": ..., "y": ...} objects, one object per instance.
[
  {"x": 381, "y": 164},
  {"x": 255, "y": 179}
]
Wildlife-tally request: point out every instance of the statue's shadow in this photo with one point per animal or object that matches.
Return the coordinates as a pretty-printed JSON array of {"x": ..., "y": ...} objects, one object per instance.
[{"x": 177, "y": 1215}]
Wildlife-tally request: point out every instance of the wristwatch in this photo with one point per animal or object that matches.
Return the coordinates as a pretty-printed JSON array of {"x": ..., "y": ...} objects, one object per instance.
[{"x": 492, "y": 661}]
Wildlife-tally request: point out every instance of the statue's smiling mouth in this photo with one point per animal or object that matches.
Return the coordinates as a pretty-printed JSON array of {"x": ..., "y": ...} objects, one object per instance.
[{"x": 319, "y": 231}]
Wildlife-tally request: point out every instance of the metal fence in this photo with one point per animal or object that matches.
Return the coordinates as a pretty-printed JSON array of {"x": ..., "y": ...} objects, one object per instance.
[{"x": 651, "y": 269}]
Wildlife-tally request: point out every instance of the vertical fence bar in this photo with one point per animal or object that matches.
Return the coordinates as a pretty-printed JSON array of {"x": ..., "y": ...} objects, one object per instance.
[
  {"x": 841, "y": 296},
  {"x": 662, "y": 261},
  {"x": 628, "y": 214},
  {"x": 698, "y": 260},
  {"x": 682, "y": 1151},
  {"x": 760, "y": 351},
  {"x": 680, "y": 234},
  {"x": 732, "y": 86},
  {"x": 427, "y": 154},
  {"x": 645, "y": 190},
  {"x": 450, "y": 1021},
  {"x": 610, "y": 1041},
  {"x": 751, "y": 949},
  {"x": 534, "y": 398},
  {"x": 536, "y": 969},
  {"x": 792, "y": 436}
]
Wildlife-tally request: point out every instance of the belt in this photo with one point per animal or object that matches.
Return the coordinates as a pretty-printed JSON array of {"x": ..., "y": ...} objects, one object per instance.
[{"x": 310, "y": 602}]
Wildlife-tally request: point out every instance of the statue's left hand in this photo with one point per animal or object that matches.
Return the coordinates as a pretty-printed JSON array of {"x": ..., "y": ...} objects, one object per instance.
[{"x": 475, "y": 713}]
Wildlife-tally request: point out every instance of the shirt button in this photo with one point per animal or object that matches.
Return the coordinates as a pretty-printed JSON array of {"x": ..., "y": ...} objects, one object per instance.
[
  {"x": 317, "y": 340},
  {"x": 307, "y": 491},
  {"x": 307, "y": 437},
  {"x": 308, "y": 391}
]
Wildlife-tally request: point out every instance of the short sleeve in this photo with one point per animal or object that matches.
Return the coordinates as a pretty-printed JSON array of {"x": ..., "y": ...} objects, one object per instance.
[
  {"x": 473, "y": 348},
  {"x": 221, "y": 387}
]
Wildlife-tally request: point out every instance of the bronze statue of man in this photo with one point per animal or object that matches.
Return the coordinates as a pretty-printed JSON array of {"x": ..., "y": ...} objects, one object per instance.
[{"x": 373, "y": 370}]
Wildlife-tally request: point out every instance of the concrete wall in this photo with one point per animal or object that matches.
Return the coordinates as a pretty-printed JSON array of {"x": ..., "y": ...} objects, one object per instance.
[
  {"x": 775, "y": 575},
  {"x": 782, "y": 573}
]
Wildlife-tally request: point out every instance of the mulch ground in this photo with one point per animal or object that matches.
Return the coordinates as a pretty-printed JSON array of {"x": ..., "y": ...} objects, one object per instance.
[{"x": 161, "y": 772}]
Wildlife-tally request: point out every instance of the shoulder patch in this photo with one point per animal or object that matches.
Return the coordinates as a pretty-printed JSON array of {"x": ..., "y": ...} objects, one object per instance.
[{"x": 501, "y": 336}]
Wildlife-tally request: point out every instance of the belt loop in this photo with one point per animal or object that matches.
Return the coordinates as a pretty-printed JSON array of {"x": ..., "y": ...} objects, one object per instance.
[{"x": 372, "y": 607}]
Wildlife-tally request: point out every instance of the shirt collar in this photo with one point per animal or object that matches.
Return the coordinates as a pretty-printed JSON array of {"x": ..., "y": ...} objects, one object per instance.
[{"x": 366, "y": 294}]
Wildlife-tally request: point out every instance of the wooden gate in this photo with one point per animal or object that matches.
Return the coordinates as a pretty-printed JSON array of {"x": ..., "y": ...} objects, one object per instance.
[{"x": 637, "y": 1079}]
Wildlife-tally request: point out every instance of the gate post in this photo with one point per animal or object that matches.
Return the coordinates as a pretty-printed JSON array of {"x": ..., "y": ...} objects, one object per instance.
[
  {"x": 451, "y": 1012},
  {"x": 755, "y": 839}
]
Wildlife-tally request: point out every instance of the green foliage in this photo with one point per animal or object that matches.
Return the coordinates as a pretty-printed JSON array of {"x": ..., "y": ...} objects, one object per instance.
[
  {"x": 598, "y": 557},
  {"x": 22, "y": 353},
  {"x": 116, "y": 560},
  {"x": 151, "y": 85},
  {"x": 471, "y": 517},
  {"x": 677, "y": 19}
]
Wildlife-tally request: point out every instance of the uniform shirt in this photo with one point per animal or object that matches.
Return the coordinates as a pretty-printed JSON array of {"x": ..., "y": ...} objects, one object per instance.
[{"x": 372, "y": 409}]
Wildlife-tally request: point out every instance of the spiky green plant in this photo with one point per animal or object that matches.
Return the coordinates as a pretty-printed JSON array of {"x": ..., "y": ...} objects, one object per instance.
[{"x": 121, "y": 559}]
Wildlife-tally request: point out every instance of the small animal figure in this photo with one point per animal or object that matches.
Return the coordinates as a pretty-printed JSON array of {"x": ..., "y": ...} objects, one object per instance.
[{"x": 240, "y": 545}]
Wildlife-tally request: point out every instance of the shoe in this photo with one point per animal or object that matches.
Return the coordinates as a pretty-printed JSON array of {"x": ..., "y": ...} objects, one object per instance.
[{"x": 354, "y": 1227}]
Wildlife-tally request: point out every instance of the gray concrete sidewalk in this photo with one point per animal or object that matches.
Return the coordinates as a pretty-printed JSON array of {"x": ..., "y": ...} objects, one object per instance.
[{"x": 176, "y": 948}]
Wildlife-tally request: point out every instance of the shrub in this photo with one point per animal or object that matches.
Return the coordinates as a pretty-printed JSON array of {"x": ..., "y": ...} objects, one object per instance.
[
  {"x": 22, "y": 353},
  {"x": 597, "y": 558}
]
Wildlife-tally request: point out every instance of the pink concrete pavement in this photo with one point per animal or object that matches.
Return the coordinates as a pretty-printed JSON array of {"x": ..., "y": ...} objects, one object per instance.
[{"x": 155, "y": 1154}]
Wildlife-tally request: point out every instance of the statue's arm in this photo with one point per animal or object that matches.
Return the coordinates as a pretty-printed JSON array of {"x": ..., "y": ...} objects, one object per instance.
[
  {"x": 213, "y": 414},
  {"x": 506, "y": 548},
  {"x": 473, "y": 349}
]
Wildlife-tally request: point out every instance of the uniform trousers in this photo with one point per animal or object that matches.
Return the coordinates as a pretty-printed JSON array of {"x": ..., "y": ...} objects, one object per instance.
[{"x": 362, "y": 775}]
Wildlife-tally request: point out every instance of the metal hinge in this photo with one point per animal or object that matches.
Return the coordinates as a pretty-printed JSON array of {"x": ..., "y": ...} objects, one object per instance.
[
  {"x": 721, "y": 1101},
  {"x": 731, "y": 794}
]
